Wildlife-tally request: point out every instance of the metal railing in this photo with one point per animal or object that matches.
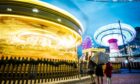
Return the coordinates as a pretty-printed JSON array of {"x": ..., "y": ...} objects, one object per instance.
[{"x": 17, "y": 70}]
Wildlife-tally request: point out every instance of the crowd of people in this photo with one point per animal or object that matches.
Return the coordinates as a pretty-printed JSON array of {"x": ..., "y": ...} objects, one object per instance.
[{"x": 96, "y": 71}]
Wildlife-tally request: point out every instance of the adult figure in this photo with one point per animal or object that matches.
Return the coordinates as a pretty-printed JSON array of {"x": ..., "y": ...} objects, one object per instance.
[
  {"x": 91, "y": 70},
  {"x": 108, "y": 72},
  {"x": 99, "y": 74}
]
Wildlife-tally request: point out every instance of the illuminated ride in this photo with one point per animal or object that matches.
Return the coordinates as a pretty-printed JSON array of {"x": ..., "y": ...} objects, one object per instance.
[
  {"x": 37, "y": 29},
  {"x": 114, "y": 35}
]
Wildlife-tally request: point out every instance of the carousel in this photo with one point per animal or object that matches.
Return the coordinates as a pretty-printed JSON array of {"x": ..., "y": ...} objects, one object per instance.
[
  {"x": 37, "y": 29},
  {"x": 37, "y": 41}
]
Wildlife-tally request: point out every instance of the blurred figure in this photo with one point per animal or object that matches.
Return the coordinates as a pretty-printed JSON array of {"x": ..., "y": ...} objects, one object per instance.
[
  {"x": 129, "y": 67},
  {"x": 108, "y": 72},
  {"x": 91, "y": 70},
  {"x": 99, "y": 74}
]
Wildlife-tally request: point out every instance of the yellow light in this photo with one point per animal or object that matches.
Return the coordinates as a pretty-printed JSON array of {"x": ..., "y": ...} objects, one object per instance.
[
  {"x": 67, "y": 42},
  {"x": 35, "y": 10},
  {"x": 38, "y": 2},
  {"x": 45, "y": 43},
  {"x": 63, "y": 28},
  {"x": 33, "y": 38},
  {"x": 25, "y": 37}
]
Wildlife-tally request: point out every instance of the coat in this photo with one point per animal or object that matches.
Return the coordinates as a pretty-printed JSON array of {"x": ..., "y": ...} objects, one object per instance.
[
  {"x": 91, "y": 67},
  {"x": 108, "y": 69}
]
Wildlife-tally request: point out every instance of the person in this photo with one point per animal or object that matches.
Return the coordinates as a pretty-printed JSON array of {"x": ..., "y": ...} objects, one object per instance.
[
  {"x": 99, "y": 74},
  {"x": 91, "y": 70},
  {"x": 108, "y": 72},
  {"x": 129, "y": 66}
]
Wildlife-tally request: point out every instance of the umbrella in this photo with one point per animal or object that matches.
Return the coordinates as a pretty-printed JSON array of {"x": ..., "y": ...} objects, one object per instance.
[{"x": 100, "y": 58}]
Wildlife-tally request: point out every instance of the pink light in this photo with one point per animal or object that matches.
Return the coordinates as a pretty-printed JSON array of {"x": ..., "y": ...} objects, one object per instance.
[
  {"x": 113, "y": 45},
  {"x": 87, "y": 43}
]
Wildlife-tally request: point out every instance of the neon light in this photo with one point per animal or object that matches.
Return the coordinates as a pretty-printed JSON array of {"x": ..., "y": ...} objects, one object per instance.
[{"x": 104, "y": 33}]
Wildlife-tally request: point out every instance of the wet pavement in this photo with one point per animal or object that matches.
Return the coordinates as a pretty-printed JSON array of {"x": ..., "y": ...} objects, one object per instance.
[{"x": 124, "y": 77}]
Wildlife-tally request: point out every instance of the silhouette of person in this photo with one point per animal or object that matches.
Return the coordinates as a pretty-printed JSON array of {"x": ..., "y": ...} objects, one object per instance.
[
  {"x": 99, "y": 74},
  {"x": 108, "y": 72},
  {"x": 91, "y": 70}
]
